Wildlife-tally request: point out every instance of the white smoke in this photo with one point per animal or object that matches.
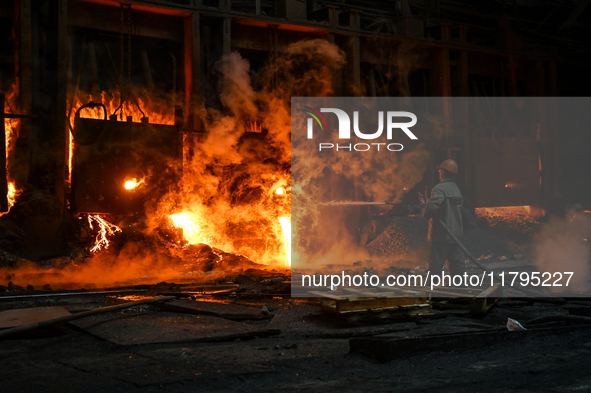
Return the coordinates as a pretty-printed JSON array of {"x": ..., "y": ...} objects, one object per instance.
[{"x": 563, "y": 246}]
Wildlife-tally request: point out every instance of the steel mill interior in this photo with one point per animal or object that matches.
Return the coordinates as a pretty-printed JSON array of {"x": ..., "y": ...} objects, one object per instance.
[{"x": 146, "y": 197}]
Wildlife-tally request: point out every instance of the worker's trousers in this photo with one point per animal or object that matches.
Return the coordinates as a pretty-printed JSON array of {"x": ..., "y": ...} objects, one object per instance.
[{"x": 440, "y": 252}]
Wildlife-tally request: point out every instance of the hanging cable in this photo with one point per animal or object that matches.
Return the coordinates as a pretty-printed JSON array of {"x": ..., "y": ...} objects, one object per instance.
[
  {"x": 121, "y": 62},
  {"x": 127, "y": 92}
]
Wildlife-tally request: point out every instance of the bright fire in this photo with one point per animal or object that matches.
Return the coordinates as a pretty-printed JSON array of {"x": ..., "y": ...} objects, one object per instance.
[
  {"x": 158, "y": 114},
  {"x": 13, "y": 193},
  {"x": 11, "y": 130},
  {"x": 105, "y": 229},
  {"x": 192, "y": 232},
  {"x": 133, "y": 183},
  {"x": 286, "y": 227}
]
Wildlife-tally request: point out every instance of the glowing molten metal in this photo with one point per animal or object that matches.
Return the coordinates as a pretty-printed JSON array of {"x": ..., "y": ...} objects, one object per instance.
[
  {"x": 105, "y": 229},
  {"x": 192, "y": 232},
  {"x": 286, "y": 227},
  {"x": 13, "y": 193},
  {"x": 132, "y": 183}
]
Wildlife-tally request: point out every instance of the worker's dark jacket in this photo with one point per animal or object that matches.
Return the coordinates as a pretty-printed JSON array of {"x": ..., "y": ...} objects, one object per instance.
[{"x": 445, "y": 204}]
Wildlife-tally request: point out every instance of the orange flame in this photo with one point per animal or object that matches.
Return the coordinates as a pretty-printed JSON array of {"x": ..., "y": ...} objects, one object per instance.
[
  {"x": 286, "y": 227},
  {"x": 105, "y": 229},
  {"x": 11, "y": 131},
  {"x": 193, "y": 233},
  {"x": 157, "y": 113},
  {"x": 13, "y": 193}
]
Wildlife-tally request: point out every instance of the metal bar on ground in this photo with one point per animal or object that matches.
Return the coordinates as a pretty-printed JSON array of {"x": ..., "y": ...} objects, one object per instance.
[
  {"x": 72, "y": 294},
  {"x": 55, "y": 321}
]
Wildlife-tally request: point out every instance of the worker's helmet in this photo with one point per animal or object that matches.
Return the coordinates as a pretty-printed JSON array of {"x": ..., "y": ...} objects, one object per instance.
[{"x": 449, "y": 165}]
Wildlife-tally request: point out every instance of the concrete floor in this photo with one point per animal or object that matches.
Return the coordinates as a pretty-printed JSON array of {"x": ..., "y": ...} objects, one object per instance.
[{"x": 303, "y": 357}]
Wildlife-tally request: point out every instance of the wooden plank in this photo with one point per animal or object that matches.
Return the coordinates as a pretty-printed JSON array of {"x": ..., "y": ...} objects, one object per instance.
[
  {"x": 326, "y": 295},
  {"x": 233, "y": 312},
  {"x": 376, "y": 303},
  {"x": 363, "y": 293},
  {"x": 163, "y": 327},
  {"x": 384, "y": 349},
  {"x": 491, "y": 291},
  {"x": 25, "y": 316},
  {"x": 481, "y": 306},
  {"x": 54, "y": 321},
  {"x": 402, "y": 312}
]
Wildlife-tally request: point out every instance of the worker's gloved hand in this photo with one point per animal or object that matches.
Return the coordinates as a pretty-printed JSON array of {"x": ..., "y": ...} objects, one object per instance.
[{"x": 415, "y": 209}]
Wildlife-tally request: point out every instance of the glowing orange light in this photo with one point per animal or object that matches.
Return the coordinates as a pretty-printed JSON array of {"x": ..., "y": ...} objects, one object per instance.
[
  {"x": 130, "y": 184},
  {"x": 105, "y": 229},
  {"x": 11, "y": 131},
  {"x": 192, "y": 232},
  {"x": 286, "y": 227},
  {"x": 13, "y": 193},
  {"x": 280, "y": 191}
]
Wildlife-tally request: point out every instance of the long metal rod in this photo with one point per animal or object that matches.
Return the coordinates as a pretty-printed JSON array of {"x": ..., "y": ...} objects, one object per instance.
[
  {"x": 18, "y": 116},
  {"x": 59, "y": 294},
  {"x": 67, "y": 318},
  {"x": 464, "y": 250},
  {"x": 467, "y": 253},
  {"x": 356, "y": 203},
  {"x": 3, "y": 163}
]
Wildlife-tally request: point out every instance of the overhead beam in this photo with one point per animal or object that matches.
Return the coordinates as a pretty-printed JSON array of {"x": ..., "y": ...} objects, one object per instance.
[
  {"x": 582, "y": 4},
  {"x": 193, "y": 70},
  {"x": 3, "y": 162},
  {"x": 19, "y": 170},
  {"x": 146, "y": 24},
  {"x": 62, "y": 132}
]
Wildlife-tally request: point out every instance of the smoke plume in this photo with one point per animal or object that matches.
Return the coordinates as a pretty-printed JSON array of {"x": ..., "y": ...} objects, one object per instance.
[{"x": 563, "y": 246}]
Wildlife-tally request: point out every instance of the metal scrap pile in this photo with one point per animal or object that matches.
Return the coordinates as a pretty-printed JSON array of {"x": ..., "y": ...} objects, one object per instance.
[
  {"x": 401, "y": 235},
  {"x": 511, "y": 223},
  {"x": 498, "y": 229}
]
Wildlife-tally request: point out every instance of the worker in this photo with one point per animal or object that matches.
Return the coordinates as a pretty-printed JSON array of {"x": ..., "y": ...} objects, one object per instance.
[{"x": 445, "y": 204}]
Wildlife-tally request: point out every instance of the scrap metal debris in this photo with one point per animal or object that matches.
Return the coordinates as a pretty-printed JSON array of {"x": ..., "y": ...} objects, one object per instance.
[{"x": 514, "y": 325}]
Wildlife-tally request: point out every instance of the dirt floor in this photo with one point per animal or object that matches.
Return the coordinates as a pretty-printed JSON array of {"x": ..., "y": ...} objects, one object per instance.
[{"x": 304, "y": 349}]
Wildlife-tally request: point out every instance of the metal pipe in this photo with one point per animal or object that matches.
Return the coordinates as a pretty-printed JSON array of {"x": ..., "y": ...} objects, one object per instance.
[
  {"x": 95, "y": 87},
  {"x": 467, "y": 253},
  {"x": 147, "y": 71},
  {"x": 4, "y": 165},
  {"x": 71, "y": 294},
  {"x": 464, "y": 250}
]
